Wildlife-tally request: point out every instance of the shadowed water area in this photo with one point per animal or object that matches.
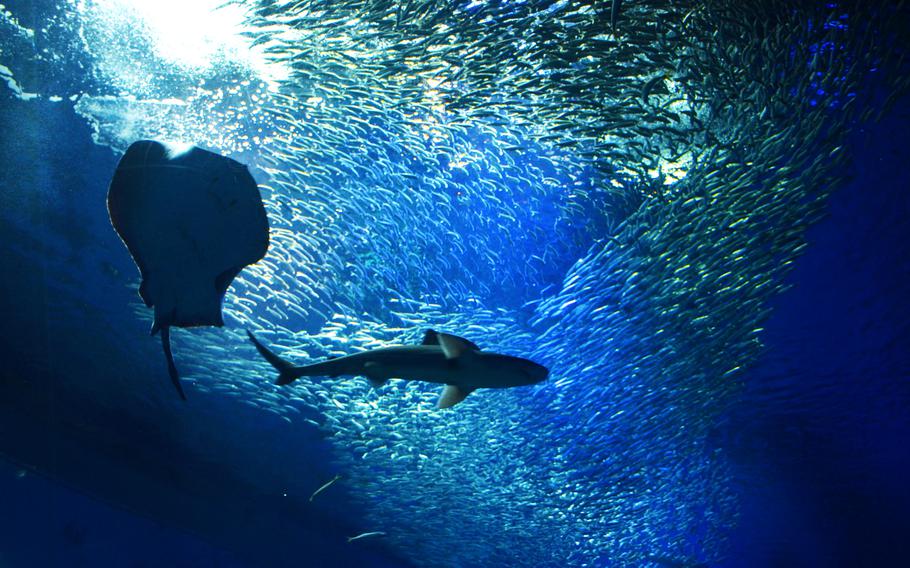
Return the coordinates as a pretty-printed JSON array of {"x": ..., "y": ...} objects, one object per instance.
[{"x": 620, "y": 196}]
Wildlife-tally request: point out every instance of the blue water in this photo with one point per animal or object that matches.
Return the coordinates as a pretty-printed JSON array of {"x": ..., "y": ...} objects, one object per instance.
[
  {"x": 819, "y": 433},
  {"x": 640, "y": 450}
]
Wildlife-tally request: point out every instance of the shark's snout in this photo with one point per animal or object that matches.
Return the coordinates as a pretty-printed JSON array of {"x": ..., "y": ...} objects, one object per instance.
[{"x": 535, "y": 373}]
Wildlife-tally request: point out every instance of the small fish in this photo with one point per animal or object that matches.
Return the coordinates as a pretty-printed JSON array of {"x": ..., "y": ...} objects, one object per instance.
[
  {"x": 324, "y": 487},
  {"x": 614, "y": 14},
  {"x": 365, "y": 535}
]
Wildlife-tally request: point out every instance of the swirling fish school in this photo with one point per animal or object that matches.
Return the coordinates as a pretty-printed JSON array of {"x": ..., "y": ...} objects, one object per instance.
[{"x": 614, "y": 193}]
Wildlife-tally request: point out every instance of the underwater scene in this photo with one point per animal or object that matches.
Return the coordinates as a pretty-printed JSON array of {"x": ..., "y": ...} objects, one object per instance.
[{"x": 467, "y": 283}]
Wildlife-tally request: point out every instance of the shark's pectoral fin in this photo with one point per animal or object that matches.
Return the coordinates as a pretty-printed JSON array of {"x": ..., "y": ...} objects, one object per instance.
[
  {"x": 453, "y": 346},
  {"x": 371, "y": 371},
  {"x": 452, "y": 395},
  {"x": 376, "y": 382}
]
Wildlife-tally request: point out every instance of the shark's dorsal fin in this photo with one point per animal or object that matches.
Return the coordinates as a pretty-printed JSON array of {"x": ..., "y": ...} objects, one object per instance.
[
  {"x": 430, "y": 337},
  {"x": 453, "y": 346},
  {"x": 452, "y": 395}
]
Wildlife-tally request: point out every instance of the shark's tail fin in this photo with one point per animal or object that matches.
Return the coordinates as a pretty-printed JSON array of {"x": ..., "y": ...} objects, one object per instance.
[{"x": 285, "y": 369}]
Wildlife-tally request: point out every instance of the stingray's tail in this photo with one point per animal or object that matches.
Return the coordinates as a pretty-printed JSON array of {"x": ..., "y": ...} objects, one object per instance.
[
  {"x": 171, "y": 368},
  {"x": 285, "y": 369}
]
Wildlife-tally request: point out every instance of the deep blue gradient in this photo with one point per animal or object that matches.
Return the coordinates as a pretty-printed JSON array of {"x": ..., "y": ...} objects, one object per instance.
[
  {"x": 48, "y": 524},
  {"x": 113, "y": 452},
  {"x": 821, "y": 433}
]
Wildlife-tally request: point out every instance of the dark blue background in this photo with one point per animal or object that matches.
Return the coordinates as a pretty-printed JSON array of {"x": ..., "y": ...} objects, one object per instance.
[
  {"x": 46, "y": 350},
  {"x": 822, "y": 434}
]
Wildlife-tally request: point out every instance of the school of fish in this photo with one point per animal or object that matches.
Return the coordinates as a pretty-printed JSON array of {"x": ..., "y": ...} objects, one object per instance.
[{"x": 612, "y": 189}]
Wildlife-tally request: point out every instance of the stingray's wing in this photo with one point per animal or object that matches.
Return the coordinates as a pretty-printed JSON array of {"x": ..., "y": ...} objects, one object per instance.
[{"x": 191, "y": 220}]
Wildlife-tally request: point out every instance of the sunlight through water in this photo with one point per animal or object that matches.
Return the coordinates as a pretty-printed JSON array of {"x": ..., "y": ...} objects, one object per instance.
[{"x": 193, "y": 34}]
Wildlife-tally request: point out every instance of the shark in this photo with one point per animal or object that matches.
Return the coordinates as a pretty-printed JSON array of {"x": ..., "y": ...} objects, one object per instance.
[{"x": 440, "y": 358}]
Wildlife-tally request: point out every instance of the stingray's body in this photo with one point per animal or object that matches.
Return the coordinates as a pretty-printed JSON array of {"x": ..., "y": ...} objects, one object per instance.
[
  {"x": 191, "y": 220},
  {"x": 440, "y": 358}
]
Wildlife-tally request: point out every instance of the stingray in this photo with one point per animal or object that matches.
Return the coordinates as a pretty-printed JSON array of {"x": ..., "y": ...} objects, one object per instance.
[{"x": 192, "y": 220}]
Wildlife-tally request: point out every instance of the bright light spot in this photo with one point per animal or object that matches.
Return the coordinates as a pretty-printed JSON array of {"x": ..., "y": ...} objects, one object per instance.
[
  {"x": 188, "y": 32},
  {"x": 176, "y": 148},
  {"x": 14, "y": 86},
  {"x": 672, "y": 171},
  {"x": 195, "y": 34}
]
